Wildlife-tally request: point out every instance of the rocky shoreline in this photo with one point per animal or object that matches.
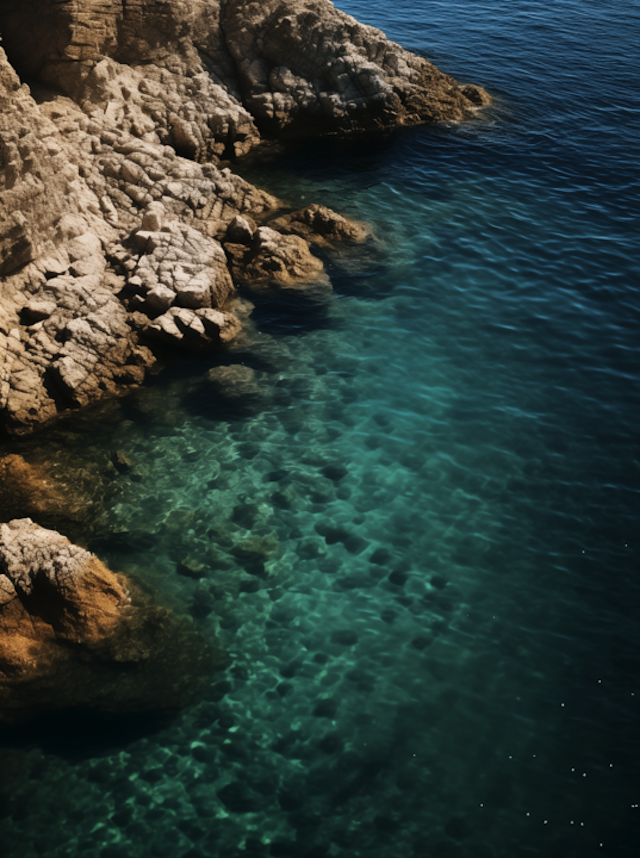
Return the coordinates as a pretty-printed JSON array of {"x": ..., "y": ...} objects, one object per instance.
[
  {"x": 124, "y": 229},
  {"x": 116, "y": 212}
]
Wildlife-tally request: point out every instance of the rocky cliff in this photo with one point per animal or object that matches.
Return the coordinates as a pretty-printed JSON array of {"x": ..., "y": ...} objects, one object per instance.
[{"x": 120, "y": 231}]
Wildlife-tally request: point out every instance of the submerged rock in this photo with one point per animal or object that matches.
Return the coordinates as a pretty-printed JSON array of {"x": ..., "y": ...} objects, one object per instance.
[
  {"x": 236, "y": 383},
  {"x": 76, "y": 636},
  {"x": 65, "y": 498},
  {"x": 28, "y": 490}
]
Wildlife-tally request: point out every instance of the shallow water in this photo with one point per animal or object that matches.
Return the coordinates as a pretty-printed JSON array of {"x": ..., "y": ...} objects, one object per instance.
[{"x": 434, "y": 635}]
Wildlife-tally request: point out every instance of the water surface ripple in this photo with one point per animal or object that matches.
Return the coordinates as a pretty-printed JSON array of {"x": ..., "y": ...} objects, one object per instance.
[{"x": 434, "y": 634}]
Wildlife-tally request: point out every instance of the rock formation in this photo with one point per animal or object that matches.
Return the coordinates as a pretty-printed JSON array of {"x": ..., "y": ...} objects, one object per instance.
[
  {"x": 113, "y": 208},
  {"x": 76, "y": 636},
  {"x": 122, "y": 234}
]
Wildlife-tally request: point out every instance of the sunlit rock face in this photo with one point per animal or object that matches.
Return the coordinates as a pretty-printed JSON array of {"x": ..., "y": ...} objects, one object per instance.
[
  {"x": 306, "y": 68},
  {"x": 112, "y": 203},
  {"x": 76, "y": 636}
]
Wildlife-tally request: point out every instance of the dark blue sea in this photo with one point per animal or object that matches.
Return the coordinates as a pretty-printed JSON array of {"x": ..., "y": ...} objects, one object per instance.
[{"x": 440, "y": 655}]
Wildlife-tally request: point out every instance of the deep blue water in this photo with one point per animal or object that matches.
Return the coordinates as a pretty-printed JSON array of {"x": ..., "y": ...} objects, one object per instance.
[{"x": 448, "y": 464}]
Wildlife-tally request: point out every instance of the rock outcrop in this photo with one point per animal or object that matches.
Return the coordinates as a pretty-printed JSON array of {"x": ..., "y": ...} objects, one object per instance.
[
  {"x": 306, "y": 68},
  {"x": 113, "y": 203},
  {"x": 75, "y": 636}
]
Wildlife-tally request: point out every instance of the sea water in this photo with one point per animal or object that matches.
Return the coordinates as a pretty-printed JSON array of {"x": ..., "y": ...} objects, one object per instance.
[{"x": 418, "y": 544}]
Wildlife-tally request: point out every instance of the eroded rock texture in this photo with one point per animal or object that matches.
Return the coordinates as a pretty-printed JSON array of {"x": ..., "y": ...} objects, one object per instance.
[
  {"x": 307, "y": 68},
  {"x": 74, "y": 635},
  {"x": 113, "y": 206}
]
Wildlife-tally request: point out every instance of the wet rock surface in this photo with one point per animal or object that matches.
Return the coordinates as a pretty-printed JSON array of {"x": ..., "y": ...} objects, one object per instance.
[{"x": 111, "y": 200}]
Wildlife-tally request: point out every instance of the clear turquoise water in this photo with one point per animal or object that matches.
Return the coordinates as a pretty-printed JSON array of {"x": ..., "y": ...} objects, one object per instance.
[{"x": 441, "y": 655}]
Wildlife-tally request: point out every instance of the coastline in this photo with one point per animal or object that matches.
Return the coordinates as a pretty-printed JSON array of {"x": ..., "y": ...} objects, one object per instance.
[
  {"x": 126, "y": 238},
  {"x": 466, "y": 685},
  {"x": 116, "y": 213}
]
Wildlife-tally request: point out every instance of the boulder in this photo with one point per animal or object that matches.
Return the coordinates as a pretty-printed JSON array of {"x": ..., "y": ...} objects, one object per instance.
[
  {"x": 195, "y": 330},
  {"x": 235, "y": 382},
  {"x": 278, "y": 263},
  {"x": 180, "y": 265},
  {"x": 76, "y": 636},
  {"x": 320, "y": 225}
]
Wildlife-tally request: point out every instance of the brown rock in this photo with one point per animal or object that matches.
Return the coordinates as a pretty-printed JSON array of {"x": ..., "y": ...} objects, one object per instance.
[
  {"x": 274, "y": 261},
  {"x": 320, "y": 225},
  {"x": 127, "y": 655},
  {"x": 29, "y": 491}
]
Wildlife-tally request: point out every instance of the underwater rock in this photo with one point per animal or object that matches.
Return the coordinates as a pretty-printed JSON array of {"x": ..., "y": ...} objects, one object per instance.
[
  {"x": 252, "y": 553},
  {"x": 380, "y": 557},
  {"x": 29, "y": 491},
  {"x": 121, "y": 462},
  {"x": 344, "y": 637},
  {"x": 76, "y": 636},
  {"x": 327, "y": 707},
  {"x": 335, "y": 472},
  {"x": 235, "y": 382},
  {"x": 239, "y": 798},
  {"x": 191, "y": 567}
]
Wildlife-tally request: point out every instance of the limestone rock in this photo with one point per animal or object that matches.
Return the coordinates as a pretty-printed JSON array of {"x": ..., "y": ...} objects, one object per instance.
[
  {"x": 197, "y": 331},
  {"x": 272, "y": 259},
  {"x": 307, "y": 68},
  {"x": 180, "y": 265},
  {"x": 158, "y": 71},
  {"x": 112, "y": 202},
  {"x": 240, "y": 230},
  {"x": 72, "y": 293},
  {"x": 74, "y": 635}
]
